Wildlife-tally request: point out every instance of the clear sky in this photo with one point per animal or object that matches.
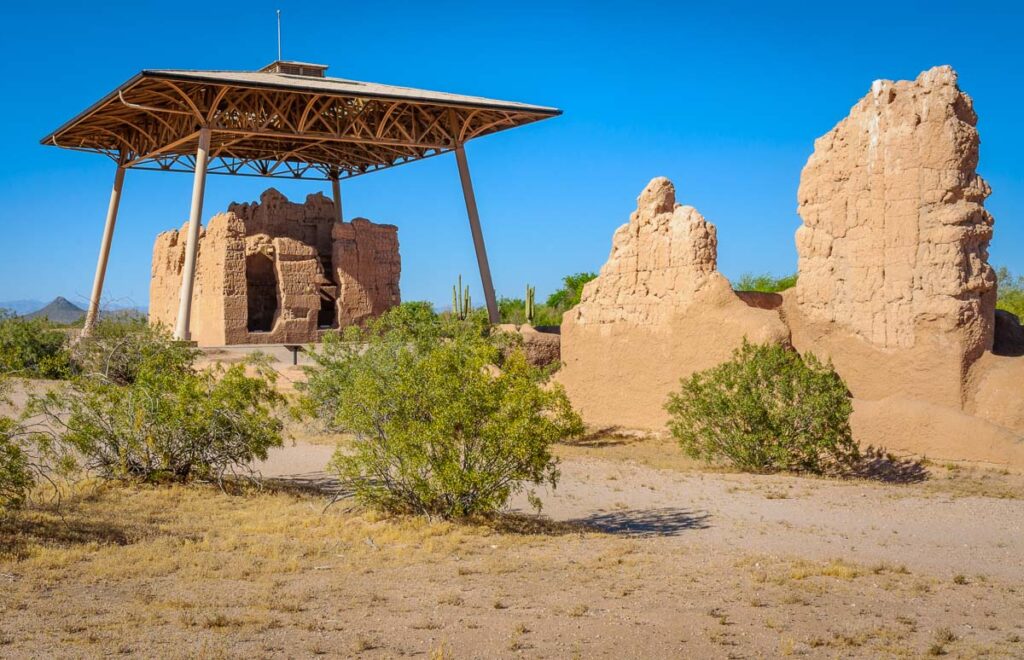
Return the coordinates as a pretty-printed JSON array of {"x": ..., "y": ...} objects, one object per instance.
[{"x": 725, "y": 99}]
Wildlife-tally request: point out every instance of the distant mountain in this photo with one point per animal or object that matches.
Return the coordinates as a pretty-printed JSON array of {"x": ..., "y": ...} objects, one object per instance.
[
  {"x": 61, "y": 310},
  {"x": 19, "y": 307}
]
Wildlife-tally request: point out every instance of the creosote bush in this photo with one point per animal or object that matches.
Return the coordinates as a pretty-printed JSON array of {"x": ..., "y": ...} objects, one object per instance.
[
  {"x": 445, "y": 422},
  {"x": 119, "y": 348},
  {"x": 140, "y": 409},
  {"x": 16, "y": 473},
  {"x": 766, "y": 410},
  {"x": 33, "y": 348}
]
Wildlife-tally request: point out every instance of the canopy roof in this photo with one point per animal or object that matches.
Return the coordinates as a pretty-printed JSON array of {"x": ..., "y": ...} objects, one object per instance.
[{"x": 286, "y": 120}]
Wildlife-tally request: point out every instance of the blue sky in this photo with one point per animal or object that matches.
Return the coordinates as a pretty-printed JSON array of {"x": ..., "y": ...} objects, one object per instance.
[{"x": 725, "y": 99}]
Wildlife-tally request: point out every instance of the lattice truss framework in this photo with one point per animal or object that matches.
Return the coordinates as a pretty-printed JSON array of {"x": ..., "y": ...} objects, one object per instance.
[{"x": 153, "y": 123}]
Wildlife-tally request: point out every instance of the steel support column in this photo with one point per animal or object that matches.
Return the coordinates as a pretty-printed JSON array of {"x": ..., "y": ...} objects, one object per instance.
[
  {"x": 336, "y": 190},
  {"x": 101, "y": 263},
  {"x": 188, "y": 273},
  {"x": 478, "y": 236}
]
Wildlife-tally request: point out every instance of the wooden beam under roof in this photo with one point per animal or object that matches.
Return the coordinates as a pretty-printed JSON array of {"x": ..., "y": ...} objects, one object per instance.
[{"x": 305, "y": 126}]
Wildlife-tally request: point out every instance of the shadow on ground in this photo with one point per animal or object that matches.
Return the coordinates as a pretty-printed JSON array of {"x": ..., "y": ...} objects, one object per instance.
[
  {"x": 879, "y": 465},
  {"x": 609, "y": 436},
  {"x": 667, "y": 521},
  {"x": 47, "y": 526},
  {"x": 316, "y": 483}
]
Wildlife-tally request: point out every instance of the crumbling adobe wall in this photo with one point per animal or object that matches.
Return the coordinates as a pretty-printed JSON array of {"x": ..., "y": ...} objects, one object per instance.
[
  {"x": 310, "y": 223},
  {"x": 293, "y": 246},
  {"x": 893, "y": 251},
  {"x": 221, "y": 249},
  {"x": 659, "y": 310},
  {"x": 894, "y": 288},
  {"x": 366, "y": 269},
  {"x": 894, "y": 283}
]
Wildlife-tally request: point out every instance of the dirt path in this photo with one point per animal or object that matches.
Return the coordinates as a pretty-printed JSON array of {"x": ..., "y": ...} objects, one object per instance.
[{"x": 916, "y": 525}]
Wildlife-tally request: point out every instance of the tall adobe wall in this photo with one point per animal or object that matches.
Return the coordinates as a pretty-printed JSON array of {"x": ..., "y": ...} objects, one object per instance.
[
  {"x": 659, "y": 310},
  {"x": 893, "y": 251},
  {"x": 310, "y": 223},
  {"x": 894, "y": 283},
  {"x": 366, "y": 269}
]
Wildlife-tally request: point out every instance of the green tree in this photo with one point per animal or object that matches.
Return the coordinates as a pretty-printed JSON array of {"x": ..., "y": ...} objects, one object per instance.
[
  {"x": 569, "y": 295},
  {"x": 1010, "y": 292},
  {"x": 766, "y": 410},
  {"x": 765, "y": 283},
  {"x": 445, "y": 422}
]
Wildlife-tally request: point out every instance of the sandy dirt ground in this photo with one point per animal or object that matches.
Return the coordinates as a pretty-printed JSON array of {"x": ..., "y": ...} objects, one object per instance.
[
  {"x": 923, "y": 526},
  {"x": 638, "y": 553}
]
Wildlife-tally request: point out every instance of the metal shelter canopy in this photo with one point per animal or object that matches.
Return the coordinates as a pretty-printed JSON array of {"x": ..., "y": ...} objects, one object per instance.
[
  {"x": 285, "y": 120},
  {"x": 275, "y": 123}
]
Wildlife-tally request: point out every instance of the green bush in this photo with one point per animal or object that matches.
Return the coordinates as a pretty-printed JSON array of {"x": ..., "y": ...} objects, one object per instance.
[
  {"x": 140, "y": 409},
  {"x": 513, "y": 310},
  {"x": 571, "y": 292},
  {"x": 117, "y": 349},
  {"x": 1010, "y": 292},
  {"x": 765, "y": 283},
  {"x": 766, "y": 410},
  {"x": 445, "y": 423},
  {"x": 16, "y": 475},
  {"x": 33, "y": 348}
]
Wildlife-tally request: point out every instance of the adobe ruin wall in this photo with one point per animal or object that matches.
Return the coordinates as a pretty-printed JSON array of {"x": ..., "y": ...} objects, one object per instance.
[
  {"x": 278, "y": 272},
  {"x": 893, "y": 286}
]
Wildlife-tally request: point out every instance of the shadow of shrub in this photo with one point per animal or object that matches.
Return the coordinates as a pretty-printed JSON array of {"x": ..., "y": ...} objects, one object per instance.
[
  {"x": 877, "y": 464},
  {"x": 52, "y": 528},
  {"x": 666, "y": 521}
]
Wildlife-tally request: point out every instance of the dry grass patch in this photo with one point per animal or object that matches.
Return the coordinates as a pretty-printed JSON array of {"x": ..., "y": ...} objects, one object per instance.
[
  {"x": 196, "y": 533},
  {"x": 192, "y": 572},
  {"x": 970, "y": 481}
]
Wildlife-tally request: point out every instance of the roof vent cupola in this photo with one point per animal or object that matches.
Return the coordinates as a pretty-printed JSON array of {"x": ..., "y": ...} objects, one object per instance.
[{"x": 295, "y": 68}]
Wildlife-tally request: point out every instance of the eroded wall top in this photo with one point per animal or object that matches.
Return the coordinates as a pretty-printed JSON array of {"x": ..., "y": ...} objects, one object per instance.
[
  {"x": 894, "y": 242},
  {"x": 660, "y": 259}
]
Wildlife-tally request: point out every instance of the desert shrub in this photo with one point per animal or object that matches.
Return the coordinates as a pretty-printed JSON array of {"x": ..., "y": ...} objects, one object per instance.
[
  {"x": 33, "y": 348},
  {"x": 1010, "y": 292},
  {"x": 766, "y": 410},
  {"x": 439, "y": 429},
  {"x": 140, "y": 409},
  {"x": 513, "y": 310},
  {"x": 16, "y": 477},
  {"x": 16, "y": 474},
  {"x": 765, "y": 283},
  {"x": 118, "y": 348}
]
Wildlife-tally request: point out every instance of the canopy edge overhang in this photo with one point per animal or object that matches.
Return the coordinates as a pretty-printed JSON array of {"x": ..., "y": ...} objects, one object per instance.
[{"x": 272, "y": 124}]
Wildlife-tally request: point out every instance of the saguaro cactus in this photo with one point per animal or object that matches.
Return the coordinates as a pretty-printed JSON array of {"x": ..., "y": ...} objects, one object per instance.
[
  {"x": 530, "y": 293},
  {"x": 461, "y": 303}
]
